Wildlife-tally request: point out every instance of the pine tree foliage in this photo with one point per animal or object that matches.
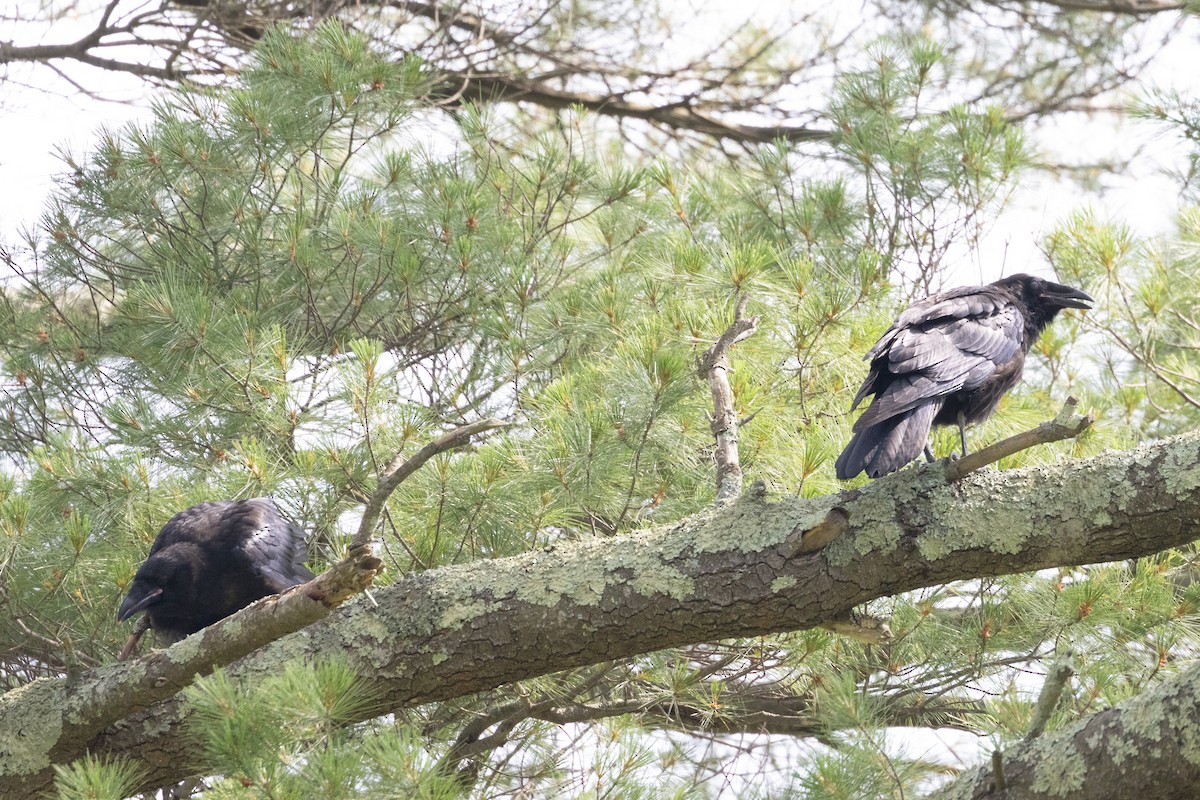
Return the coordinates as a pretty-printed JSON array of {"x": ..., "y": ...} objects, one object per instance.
[
  {"x": 96, "y": 779},
  {"x": 277, "y": 287},
  {"x": 1151, "y": 331},
  {"x": 660, "y": 73},
  {"x": 289, "y": 739}
]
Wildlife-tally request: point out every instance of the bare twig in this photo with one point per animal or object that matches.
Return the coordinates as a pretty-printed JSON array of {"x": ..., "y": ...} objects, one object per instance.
[
  {"x": 714, "y": 366},
  {"x": 1134, "y": 7},
  {"x": 676, "y": 116},
  {"x": 400, "y": 468},
  {"x": 1065, "y": 426},
  {"x": 131, "y": 644}
]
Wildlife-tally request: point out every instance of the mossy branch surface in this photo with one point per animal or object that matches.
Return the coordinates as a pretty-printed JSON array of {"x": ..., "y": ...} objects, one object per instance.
[
  {"x": 1145, "y": 748},
  {"x": 732, "y": 571}
]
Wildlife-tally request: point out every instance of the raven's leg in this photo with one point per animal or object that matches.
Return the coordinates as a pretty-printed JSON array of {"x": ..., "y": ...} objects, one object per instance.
[
  {"x": 962, "y": 431},
  {"x": 929, "y": 453}
]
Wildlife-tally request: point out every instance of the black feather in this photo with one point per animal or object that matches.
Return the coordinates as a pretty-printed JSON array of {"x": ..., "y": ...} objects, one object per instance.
[
  {"x": 947, "y": 360},
  {"x": 214, "y": 559}
]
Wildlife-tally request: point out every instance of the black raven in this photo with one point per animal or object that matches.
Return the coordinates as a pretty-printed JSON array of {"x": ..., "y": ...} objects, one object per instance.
[
  {"x": 212, "y": 560},
  {"x": 946, "y": 360}
]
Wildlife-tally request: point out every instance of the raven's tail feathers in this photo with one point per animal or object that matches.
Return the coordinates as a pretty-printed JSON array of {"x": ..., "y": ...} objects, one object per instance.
[{"x": 889, "y": 444}]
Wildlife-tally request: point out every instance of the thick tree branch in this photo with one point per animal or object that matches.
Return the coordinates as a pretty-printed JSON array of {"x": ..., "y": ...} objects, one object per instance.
[
  {"x": 523, "y": 56},
  {"x": 1146, "y": 747},
  {"x": 720, "y": 574},
  {"x": 1134, "y": 7},
  {"x": 675, "y": 116}
]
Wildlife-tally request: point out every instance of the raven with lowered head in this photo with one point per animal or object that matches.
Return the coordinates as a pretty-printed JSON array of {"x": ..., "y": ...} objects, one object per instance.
[
  {"x": 946, "y": 360},
  {"x": 211, "y": 560}
]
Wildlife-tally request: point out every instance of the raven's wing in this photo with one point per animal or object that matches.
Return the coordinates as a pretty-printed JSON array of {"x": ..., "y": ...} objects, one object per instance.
[
  {"x": 938, "y": 348},
  {"x": 272, "y": 545},
  {"x": 944, "y": 307}
]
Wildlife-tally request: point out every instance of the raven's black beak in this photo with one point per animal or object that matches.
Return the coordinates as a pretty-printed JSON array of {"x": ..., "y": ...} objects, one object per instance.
[
  {"x": 1065, "y": 296},
  {"x": 137, "y": 599}
]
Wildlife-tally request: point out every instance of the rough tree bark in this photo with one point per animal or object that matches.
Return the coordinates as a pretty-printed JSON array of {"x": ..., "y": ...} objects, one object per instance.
[
  {"x": 1147, "y": 747},
  {"x": 731, "y": 572}
]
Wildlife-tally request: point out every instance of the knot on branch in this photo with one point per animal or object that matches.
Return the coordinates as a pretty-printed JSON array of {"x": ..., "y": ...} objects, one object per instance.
[
  {"x": 800, "y": 540},
  {"x": 860, "y": 627},
  {"x": 350, "y": 576}
]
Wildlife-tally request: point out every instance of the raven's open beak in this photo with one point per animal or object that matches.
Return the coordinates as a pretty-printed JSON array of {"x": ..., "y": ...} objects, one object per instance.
[
  {"x": 137, "y": 600},
  {"x": 1065, "y": 296}
]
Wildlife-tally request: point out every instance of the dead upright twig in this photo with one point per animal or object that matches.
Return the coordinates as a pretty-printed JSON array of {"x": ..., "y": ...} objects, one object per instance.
[
  {"x": 1065, "y": 426},
  {"x": 400, "y": 468},
  {"x": 1056, "y": 679},
  {"x": 714, "y": 367}
]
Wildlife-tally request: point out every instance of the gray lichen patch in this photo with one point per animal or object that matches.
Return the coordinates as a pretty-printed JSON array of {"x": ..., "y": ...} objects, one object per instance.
[
  {"x": 368, "y": 627},
  {"x": 1007, "y": 529},
  {"x": 1165, "y": 711},
  {"x": 782, "y": 582},
  {"x": 1181, "y": 465},
  {"x": 1187, "y": 726},
  {"x": 578, "y": 572},
  {"x": 118, "y": 676},
  {"x": 192, "y": 647},
  {"x": 752, "y": 524},
  {"x": 1058, "y": 771},
  {"x": 874, "y": 514},
  {"x": 666, "y": 581},
  {"x": 455, "y": 615},
  {"x": 33, "y": 723},
  {"x": 643, "y": 562},
  {"x": 1004, "y": 511}
]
